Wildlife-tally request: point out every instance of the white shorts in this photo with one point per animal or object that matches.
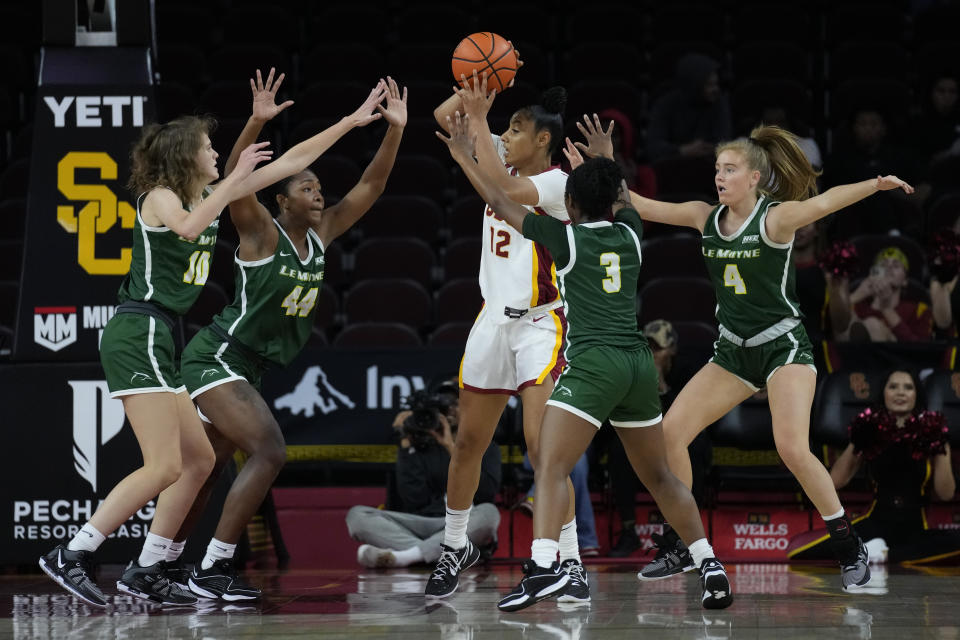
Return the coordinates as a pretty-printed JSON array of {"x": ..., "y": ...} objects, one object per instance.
[{"x": 506, "y": 357}]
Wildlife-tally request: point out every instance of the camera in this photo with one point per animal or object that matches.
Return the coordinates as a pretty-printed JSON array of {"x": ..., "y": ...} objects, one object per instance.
[{"x": 424, "y": 419}]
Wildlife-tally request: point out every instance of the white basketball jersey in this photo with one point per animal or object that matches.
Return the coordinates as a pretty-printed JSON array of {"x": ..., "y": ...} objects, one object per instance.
[{"x": 514, "y": 271}]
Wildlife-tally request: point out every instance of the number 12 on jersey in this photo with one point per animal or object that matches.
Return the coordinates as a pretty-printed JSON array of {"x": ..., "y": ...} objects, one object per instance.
[{"x": 731, "y": 278}]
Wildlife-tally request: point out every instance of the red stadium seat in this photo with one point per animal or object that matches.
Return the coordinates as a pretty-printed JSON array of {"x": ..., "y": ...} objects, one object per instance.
[
  {"x": 462, "y": 259},
  {"x": 402, "y": 257},
  {"x": 458, "y": 301},
  {"x": 377, "y": 335},
  {"x": 388, "y": 300}
]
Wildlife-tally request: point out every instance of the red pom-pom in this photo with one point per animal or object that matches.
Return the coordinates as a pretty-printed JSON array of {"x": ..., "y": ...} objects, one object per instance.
[
  {"x": 870, "y": 432},
  {"x": 944, "y": 254},
  {"x": 927, "y": 434},
  {"x": 841, "y": 259}
]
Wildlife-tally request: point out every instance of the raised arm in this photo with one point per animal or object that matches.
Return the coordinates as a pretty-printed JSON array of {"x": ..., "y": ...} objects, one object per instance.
[
  {"x": 600, "y": 143},
  {"x": 786, "y": 218},
  {"x": 301, "y": 156},
  {"x": 476, "y": 104},
  {"x": 343, "y": 215},
  {"x": 460, "y": 144},
  {"x": 164, "y": 205},
  {"x": 250, "y": 217}
]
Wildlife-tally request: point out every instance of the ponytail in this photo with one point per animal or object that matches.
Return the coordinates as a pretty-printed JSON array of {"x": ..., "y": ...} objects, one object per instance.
[{"x": 785, "y": 172}]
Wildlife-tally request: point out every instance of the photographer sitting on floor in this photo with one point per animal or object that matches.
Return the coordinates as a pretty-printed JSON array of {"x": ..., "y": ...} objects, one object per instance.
[{"x": 413, "y": 534}]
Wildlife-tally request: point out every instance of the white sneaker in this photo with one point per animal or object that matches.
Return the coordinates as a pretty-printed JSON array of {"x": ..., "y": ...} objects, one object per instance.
[
  {"x": 375, "y": 558},
  {"x": 876, "y": 550}
]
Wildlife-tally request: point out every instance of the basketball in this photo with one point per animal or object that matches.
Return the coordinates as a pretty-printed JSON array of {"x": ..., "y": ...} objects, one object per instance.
[{"x": 485, "y": 51}]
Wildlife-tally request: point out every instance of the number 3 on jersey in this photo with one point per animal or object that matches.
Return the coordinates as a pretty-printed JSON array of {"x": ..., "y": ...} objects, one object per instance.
[
  {"x": 294, "y": 304},
  {"x": 731, "y": 278},
  {"x": 612, "y": 283}
]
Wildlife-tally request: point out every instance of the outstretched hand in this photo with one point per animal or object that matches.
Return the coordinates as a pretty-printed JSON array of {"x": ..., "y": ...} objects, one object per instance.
[
  {"x": 249, "y": 159},
  {"x": 599, "y": 142},
  {"x": 887, "y": 183},
  {"x": 395, "y": 113},
  {"x": 572, "y": 154},
  {"x": 474, "y": 97},
  {"x": 623, "y": 197},
  {"x": 366, "y": 113},
  {"x": 461, "y": 141},
  {"x": 265, "y": 96}
]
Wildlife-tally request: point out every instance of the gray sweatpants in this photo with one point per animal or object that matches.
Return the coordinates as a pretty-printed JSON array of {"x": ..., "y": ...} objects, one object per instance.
[{"x": 398, "y": 531}]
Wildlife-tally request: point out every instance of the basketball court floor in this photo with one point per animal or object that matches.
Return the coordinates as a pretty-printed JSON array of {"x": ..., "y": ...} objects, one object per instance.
[{"x": 772, "y": 601}]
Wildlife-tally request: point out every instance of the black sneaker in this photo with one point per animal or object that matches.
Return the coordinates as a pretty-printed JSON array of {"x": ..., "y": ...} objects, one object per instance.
[
  {"x": 672, "y": 558},
  {"x": 716, "y": 586},
  {"x": 151, "y": 583},
  {"x": 73, "y": 570},
  {"x": 178, "y": 574},
  {"x": 446, "y": 575},
  {"x": 537, "y": 584},
  {"x": 578, "y": 589},
  {"x": 220, "y": 581},
  {"x": 627, "y": 543}
]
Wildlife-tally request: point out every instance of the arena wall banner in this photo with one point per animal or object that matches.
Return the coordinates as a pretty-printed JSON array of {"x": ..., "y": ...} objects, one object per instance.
[
  {"x": 70, "y": 443},
  {"x": 79, "y": 212}
]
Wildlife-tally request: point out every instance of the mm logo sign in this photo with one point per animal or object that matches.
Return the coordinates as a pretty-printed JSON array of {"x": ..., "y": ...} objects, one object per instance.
[
  {"x": 100, "y": 213},
  {"x": 55, "y": 327}
]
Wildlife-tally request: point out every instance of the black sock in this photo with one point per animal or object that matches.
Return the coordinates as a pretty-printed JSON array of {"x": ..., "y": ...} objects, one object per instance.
[{"x": 839, "y": 528}]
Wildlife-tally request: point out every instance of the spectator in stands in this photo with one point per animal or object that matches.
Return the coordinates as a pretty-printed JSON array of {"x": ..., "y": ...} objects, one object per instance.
[
  {"x": 823, "y": 296},
  {"x": 944, "y": 294},
  {"x": 691, "y": 118},
  {"x": 936, "y": 131},
  {"x": 413, "y": 532},
  {"x": 868, "y": 150},
  {"x": 905, "y": 451},
  {"x": 880, "y": 312}
]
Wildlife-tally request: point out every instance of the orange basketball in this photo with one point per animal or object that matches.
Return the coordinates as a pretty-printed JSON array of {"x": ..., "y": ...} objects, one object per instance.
[{"x": 488, "y": 52}]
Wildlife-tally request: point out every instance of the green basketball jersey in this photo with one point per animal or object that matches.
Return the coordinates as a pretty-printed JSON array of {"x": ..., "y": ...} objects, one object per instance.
[
  {"x": 166, "y": 269},
  {"x": 753, "y": 277},
  {"x": 276, "y": 298},
  {"x": 598, "y": 264}
]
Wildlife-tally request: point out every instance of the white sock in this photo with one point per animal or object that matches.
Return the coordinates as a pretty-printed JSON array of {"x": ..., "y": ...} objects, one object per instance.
[
  {"x": 87, "y": 539},
  {"x": 569, "y": 546},
  {"x": 154, "y": 550},
  {"x": 407, "y": 557},
  {"x": 455, "y": 528},
  {"x": 217, "y": 550},
  {"x": 838, "y": 514},
  {"x": 174, "y": 551},
  {"x": 544, "y": 551},
  {"x": 701, "y": 550}
]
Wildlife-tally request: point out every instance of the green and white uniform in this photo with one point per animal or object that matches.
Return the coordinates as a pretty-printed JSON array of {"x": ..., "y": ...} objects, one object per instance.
[
  {"x": 268, "y": 322},
  {"x": 610, "y": 371},
  {"x": 757, "y": 309},
  {"x": 138, "y": 349}
]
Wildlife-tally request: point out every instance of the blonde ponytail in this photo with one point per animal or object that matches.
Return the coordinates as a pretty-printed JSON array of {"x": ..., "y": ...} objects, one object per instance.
[{"x": 785, "y": 172}]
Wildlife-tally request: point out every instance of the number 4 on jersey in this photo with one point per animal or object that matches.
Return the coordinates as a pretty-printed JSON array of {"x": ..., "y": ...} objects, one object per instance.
[
  {"x": 731, "y": 278},
  {"x": 294, "y": 304}
]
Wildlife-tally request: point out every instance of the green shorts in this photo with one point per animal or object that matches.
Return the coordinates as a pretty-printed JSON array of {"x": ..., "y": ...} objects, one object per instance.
[
  {"x": 755, "y": 365},
  {"x": 139, "y": 355},
  {"x": 605, "y": 382},
  {"x": 209, "y": 361}
]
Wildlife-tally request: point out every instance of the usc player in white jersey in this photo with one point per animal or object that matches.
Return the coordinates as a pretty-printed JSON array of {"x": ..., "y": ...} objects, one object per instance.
[{"x": 516, "y": 344}]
